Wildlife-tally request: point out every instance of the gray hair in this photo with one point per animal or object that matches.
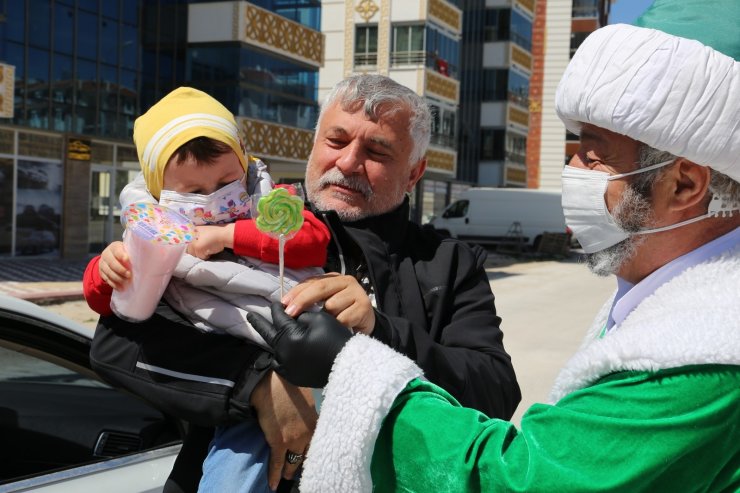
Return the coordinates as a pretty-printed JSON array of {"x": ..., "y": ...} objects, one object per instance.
[
  {"x": 720, "y": 185},
  {"x": 377, "y": 94}
]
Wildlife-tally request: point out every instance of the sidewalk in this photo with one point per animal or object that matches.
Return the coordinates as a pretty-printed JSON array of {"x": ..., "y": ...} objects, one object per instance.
[
  {"x": 42, "y": 280},
  {"x": 46, "y": 281}
]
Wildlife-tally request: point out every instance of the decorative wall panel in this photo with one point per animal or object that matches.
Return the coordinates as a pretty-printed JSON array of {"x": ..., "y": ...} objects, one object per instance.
[
  {"x": 269, "y": 139},
  {"x": 438, "y": 160},
  {"x": 276, "y": 33}
]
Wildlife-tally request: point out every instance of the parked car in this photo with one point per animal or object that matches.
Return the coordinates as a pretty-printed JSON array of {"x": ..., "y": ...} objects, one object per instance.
[
  {"x": 62, "y": 428},
  {"x": 496, "y": 216}
]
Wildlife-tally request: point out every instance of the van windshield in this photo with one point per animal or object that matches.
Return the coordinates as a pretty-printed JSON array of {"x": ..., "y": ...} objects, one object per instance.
[{"x": 456, "y": 209}]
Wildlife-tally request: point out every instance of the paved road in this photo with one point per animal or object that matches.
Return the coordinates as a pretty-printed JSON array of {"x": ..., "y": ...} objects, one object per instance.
[{"x": 546, "y": 308}]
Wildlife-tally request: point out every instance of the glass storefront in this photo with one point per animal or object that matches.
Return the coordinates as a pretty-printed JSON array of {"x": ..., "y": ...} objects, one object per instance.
[
  {"x": 33, "y": 196},
  {"x": 6, "y": 206},
  {"x": 38, "y": 207}
]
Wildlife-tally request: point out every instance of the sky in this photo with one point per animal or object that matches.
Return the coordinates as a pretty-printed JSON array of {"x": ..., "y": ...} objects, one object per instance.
[{"x": 627, "y": 11}]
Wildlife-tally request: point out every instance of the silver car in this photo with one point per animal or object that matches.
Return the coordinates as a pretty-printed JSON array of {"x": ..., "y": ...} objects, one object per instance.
[{"x": 62, "y": 428}]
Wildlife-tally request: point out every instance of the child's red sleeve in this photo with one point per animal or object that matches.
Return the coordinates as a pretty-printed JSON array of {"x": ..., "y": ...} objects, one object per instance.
[
  {"x": 97, "y": 292},
  {"x": 306, "y": 249}
]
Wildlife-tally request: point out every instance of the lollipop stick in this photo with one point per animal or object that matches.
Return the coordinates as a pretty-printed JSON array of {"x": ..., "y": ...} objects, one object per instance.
[{"x": 281, "y": 260}]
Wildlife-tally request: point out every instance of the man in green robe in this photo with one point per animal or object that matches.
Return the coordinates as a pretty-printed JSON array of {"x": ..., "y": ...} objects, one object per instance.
[{"x": 651, "y": 401}]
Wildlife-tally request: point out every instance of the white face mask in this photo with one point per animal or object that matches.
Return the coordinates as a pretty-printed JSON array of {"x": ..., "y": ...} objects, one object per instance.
[
  {"x": 225, "y": 205},
  {"x": 585, "y": 208}
]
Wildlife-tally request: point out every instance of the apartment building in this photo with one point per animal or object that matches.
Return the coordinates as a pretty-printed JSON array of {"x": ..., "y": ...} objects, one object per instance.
[
  {"x": 416, "y": 43},
  {"x": 498, "y": 65},
  {"x": 560, "y": 27}
]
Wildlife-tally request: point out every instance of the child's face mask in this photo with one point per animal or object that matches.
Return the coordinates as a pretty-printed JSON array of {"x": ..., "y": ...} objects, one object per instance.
[{"x": 225, "y": 205}]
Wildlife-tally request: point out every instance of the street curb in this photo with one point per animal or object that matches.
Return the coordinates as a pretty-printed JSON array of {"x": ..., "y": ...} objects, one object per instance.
[{"x": 50, "y": 297}]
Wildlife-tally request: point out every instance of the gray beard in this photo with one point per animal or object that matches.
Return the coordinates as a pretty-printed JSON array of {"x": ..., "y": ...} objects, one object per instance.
[
  {"x": 375, "y": 206},
  {"x": 632, "y": 213}
]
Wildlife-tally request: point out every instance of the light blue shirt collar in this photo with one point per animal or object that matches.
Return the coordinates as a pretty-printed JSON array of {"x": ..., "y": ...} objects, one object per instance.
[{"x": 630, "y": 295}]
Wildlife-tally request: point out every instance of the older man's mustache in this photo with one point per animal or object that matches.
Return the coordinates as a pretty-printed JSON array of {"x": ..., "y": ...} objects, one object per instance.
[{"x": 353, "y": 182}]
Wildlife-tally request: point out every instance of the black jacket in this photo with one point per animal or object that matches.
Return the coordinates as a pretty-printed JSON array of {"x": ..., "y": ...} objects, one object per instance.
[{"x": 434, "y": 304}]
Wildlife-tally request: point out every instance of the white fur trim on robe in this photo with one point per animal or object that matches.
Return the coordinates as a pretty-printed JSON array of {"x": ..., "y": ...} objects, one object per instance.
[
  {"x": 692, "y": 319},
  {"x": 340, "y": 453},
  {"x": 672, "y": 93}
]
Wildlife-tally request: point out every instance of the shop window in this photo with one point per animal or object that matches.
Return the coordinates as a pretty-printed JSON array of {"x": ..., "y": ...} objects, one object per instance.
[
  {"x": 39, "y": 207},
  {"x": 6, "y": 204}
]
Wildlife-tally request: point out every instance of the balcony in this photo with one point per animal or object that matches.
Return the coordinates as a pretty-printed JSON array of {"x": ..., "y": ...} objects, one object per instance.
[
  {"x": 366, "y": 61},
  {"x": 448, "y": 141},
  {"x": 408, "y": 58},
  {"x": 266, "y": 140},
  {"x": 516, "y": 157},
  {"x": 441, "y": 86}
]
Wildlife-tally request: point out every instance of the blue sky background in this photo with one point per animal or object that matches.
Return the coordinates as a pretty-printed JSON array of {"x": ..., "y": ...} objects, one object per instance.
[{"x": 627, "y": 11}]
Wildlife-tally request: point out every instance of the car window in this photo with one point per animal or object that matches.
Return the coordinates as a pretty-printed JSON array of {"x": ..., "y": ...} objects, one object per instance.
[
  {"x": 20, "y": 367},
  {"x": 53, "y": 417}
]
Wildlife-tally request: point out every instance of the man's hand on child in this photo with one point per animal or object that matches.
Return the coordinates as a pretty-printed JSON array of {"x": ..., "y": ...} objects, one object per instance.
[
  {"x": 211, "y": 239},
  {"x": 343, "y": 297},
  {"x": 115, "y": 266}
]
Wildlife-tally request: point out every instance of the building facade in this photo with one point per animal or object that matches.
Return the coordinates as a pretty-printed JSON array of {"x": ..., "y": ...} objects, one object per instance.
[
  {"x": 75, "y": 74},
  {"x": 561, "y": 26},
  {"x": 416, "y": 43},
  {"x": 496, "y": 78}
]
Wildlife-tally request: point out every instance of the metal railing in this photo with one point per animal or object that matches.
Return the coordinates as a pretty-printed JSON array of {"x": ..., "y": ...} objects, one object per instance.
[
  {"x": 408, "y": 57},
  {"x": 366, "y": 59}
]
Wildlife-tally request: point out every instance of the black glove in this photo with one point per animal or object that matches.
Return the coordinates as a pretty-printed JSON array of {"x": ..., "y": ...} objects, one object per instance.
[{"x": 305, "y": 349}]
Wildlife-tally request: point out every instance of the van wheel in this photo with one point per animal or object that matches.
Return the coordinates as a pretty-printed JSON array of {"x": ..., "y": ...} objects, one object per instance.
[{"x": 443, "y": 233}]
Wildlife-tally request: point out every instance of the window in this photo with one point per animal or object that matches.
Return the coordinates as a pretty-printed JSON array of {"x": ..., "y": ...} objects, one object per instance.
[
  {"x": 521, "y": 30},
  {"x": 457, "y": 209},
  {"x": 492, "y": 144},
  {"x": 497, "y": 24},
  {"x": 39, "y": 28},
  {"x": 516, "y": 148},
  {"x": 443, "y": 52},
  {"x": 38, "y": 206},
  {"x": 87, "y": 35},
  {"x": 366, "y": 45},
  {"x": 56, "y": 415},
  {"x": 576, "y": 39},
  {"x": 6, "y": 198},
  {"x": 408, "y": 45},
  {"x": 585, "y": 8},
  {"x": 518, "y": 88},
  {"x": 444, "y": 128},
  {"x": 495, "y": 82},
  {"x": 508, "y": 25}
]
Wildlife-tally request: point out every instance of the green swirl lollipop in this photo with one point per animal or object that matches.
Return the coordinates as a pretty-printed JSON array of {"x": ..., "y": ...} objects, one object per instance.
[{"x": 280, "y": 213}]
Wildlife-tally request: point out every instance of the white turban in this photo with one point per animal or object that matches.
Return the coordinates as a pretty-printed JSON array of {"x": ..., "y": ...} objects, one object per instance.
[{"x": 672, "y": 93}]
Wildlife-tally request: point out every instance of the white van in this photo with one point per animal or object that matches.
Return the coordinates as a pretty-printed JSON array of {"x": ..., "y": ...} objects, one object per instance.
[{"x": 492, "y": 216}]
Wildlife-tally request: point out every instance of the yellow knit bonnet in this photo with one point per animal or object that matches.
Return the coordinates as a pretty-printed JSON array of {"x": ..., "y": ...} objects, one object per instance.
[{"x": 177, "y": 118}]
